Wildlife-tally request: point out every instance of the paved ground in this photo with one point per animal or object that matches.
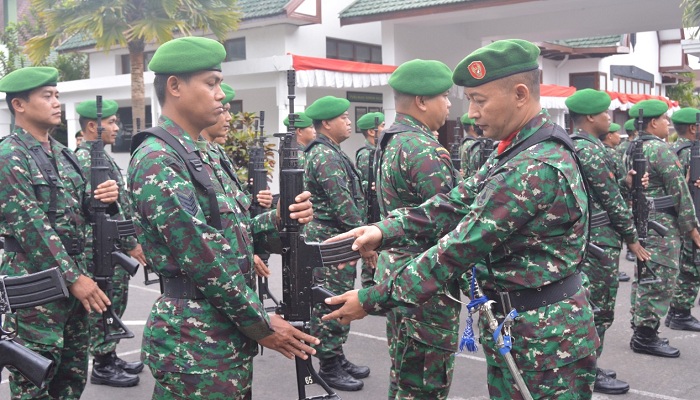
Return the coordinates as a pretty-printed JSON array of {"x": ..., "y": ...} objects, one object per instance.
[{"x": 650, "y": 377}]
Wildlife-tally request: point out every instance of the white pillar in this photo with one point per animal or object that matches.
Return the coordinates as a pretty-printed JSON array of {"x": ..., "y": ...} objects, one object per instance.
[{"x": 72, "y": 124}]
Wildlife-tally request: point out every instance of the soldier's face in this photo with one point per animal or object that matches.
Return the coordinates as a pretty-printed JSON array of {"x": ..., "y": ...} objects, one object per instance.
[
  {"x": 109, "y": 130},
  {"x": 659, "y": 127},
  {"x": 200, "y": 98},
  {"x": 306, "y": 135},
  {"x": 437, "y": 110},
  {"x": 615, "y": 138},
  {"x": 601, "y": 123},
  {"x": 43, "y": 108},
  {"x": 222, "y": 126},
  {"x": 495, "y": 107},
  {"x": 339, "y": 128}
]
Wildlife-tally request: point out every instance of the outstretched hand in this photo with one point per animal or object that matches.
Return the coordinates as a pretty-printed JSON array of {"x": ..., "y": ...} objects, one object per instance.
[
  {"x": 350, "y": 311},
  {"x": 367, "y": 240}
]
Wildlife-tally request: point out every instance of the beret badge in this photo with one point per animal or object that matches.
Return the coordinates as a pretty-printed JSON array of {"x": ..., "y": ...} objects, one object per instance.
[{"x": 477, "y": 70}]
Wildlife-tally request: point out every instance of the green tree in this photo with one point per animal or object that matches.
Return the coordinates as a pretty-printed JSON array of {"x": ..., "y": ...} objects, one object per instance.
[
  {"x": 684, "y": 91},
  {"x": 241, "y": 137},
  {"x": 131, "y": 24},
  {"x": 691, "y": 14}
]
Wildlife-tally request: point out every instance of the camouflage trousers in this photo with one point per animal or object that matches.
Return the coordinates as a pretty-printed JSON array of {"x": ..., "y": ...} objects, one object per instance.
[
  {"x": 419, "y": 370},
  {"x": 602, "y": 284},
  {"x": 688, "y": 282},
  {"x": 233, "y": 384},
  {"x": 59, "y": 332},
  {"x": 570, "y": 382},
  {"x": 120, "y": 295},
  {"x": 650, "y": 301},
  {"x": 332, "y": 334}
]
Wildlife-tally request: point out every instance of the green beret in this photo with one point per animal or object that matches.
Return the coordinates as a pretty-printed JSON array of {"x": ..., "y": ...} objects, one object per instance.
[
  {"x": 228, "y": 92},
  {"x": 421, "y": 78},
  {"x": 327, "y": 107},
  {"x": 630, "y": 125},
  {"x": 88, "y": 109},
  {"x": 495, "y": 61},
  {"x": 367, "y": 121},
  {"x": 652, "y": 108},
  {"x": 588, "y": 102},
  {"x": 686, "y": 116},
  {"x": 188, "y": 54},
  {"x": 302, "y": 121},
  {"x": 28, "y": 78},
  {"x": 614, "y": 127},
  {"x": 466, "y": 120}
]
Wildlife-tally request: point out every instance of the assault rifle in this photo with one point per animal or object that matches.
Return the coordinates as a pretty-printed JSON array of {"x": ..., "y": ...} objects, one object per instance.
[
  {"x": 24, "y": 292},
  {"x": 371, "y": 204},
  {"x": 299, "y": 259},
  {"x": 257, "y": 181},
  {"x": 105, "y": 234},
  {"x": 485, "y": 151},
  {"x": 455, "y": 144},
  {"x": 694, "y": 176},
  {"x": 641, "y": 205}
]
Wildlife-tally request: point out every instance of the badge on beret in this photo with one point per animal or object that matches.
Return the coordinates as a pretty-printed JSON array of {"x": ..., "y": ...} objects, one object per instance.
[{"x": 477, "y": 70}]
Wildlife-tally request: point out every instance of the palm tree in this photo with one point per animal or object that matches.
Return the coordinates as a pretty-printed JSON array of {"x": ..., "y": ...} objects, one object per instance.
[
  {"x": 130, "y": 23},
  {"x": 691, "y": 14}
]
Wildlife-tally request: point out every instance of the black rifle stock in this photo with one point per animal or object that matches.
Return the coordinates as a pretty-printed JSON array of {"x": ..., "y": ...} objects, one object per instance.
[
  {"x": 25, "y": 292},
  {"x": 641, "y": 205},
  {"x": 371, "y": 204},
  {"x": 456, "y": 142},
  {"x": 257, "y": 181},
  {"x": 694, "y": 176},
  {"x": 299, "y": 259},
  {"x": 106, "y": 233}
]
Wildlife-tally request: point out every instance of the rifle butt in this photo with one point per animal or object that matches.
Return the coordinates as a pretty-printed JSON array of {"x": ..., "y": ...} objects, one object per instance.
[{"x": 31, "y": 365}]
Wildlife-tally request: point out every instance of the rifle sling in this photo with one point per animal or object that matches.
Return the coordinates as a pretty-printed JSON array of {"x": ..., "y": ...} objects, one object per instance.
[{"x": 194, "y": 166}]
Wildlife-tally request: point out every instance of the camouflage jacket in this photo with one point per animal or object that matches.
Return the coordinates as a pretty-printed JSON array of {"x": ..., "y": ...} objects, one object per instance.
[
  {"x": 25, "y": 202},
  {"x": 604, "y": 192},
  {"x": 683, "y": 154},
  {"x": 464, "y": 154},
  {"x": 124, "y": 201},
  {"x": 362, "y": 161},
  {"x": 472, "y": 157},
  {"x": 214, "y": 334},
  {"x": 413, "y": 167},
  {"x": 666, "y": 178},
  {"x": 335, "y": 188},
  {"x": 530, "y": 218}
]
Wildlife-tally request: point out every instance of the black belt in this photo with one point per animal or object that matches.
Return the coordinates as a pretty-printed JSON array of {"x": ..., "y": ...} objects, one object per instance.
[
  {"x": 600, "y": 219},
  {"x": 532, "y": 299},
  {"x": 664, "y": 204},
  {"x": 72, "y": 245},
  {"x": 180, "y": 287}
]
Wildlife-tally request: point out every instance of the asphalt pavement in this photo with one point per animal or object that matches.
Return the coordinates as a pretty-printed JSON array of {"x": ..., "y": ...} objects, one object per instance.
[{"x": 274, "y": 378}]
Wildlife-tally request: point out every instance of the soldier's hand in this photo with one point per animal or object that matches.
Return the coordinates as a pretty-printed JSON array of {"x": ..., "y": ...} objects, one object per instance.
[
  {"x": 302, "y": 210},
  {"x": 640, "y": 252},
  {"x": 107, "y": 192},
  {"x": 350, "y": 311},
  {"x": 137, "y": 253},
  {"x": 367, "y": 239},
  {"x": 371, "y": 260},
  {"x": 288, "y": 340},
  {"x": 261, "y": 269},
  {"x": 264, "y": 198},
  {"x": 89, "y": 294},
  {"x": 630, "y": 176},
  {"x": 695, "y": 237}
]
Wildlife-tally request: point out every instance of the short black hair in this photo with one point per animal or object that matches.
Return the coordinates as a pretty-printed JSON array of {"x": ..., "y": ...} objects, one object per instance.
[
  {"x": 83, "y": 123},
  {"x": 162, "y": 79},
  {"x": 682, "y": 129},
  {"x": 19, "y": 95}
]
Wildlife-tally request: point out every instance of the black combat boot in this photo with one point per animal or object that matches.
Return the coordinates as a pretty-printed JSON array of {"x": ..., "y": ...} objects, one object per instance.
[
  {"x": 129, "y": 367},
  {"x": 646, "y": 341},
  {"x": 357, "y": 372},
  {"x": 605, "y": 383},
  {"x": 106, "y": 372},
  {"x": 607, "y": 372},
  {"x": 623, "y": 277},
  {"x": 336, "y": 377},
  {"x": 682, "y": 320},
  {"x": 630, "y": 256}
]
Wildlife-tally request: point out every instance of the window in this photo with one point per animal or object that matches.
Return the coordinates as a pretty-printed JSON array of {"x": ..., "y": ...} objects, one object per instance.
[
  {"x": 631, "y": 85},
  {"x": 126, "y": 62},
  {"x": 235, "y": 49},
  {"x": 587, "y": 80},
  {"x": 353, "y": 51}
]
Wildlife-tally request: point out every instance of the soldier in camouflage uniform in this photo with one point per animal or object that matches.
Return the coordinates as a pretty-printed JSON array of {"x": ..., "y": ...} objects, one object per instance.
[
  {"x": 470, "y": 137},
  {"x": 108, "y": 369},
  {"x": 413, "y": 167},
  {"x": 631, "y": 131},
  {"x": 336, "y": 188},
  {"x": 43, "y": 224},
  {"x": 688, "y": 281},
  {"x": 204, "y": 330},
  {"x": 611, "y": 220},
  {"x": 525, "y": 215},
  {"x": 305, "y": 133},
  {"x": 475, "y": 152},
  {"x": 673, "y": 208}
]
